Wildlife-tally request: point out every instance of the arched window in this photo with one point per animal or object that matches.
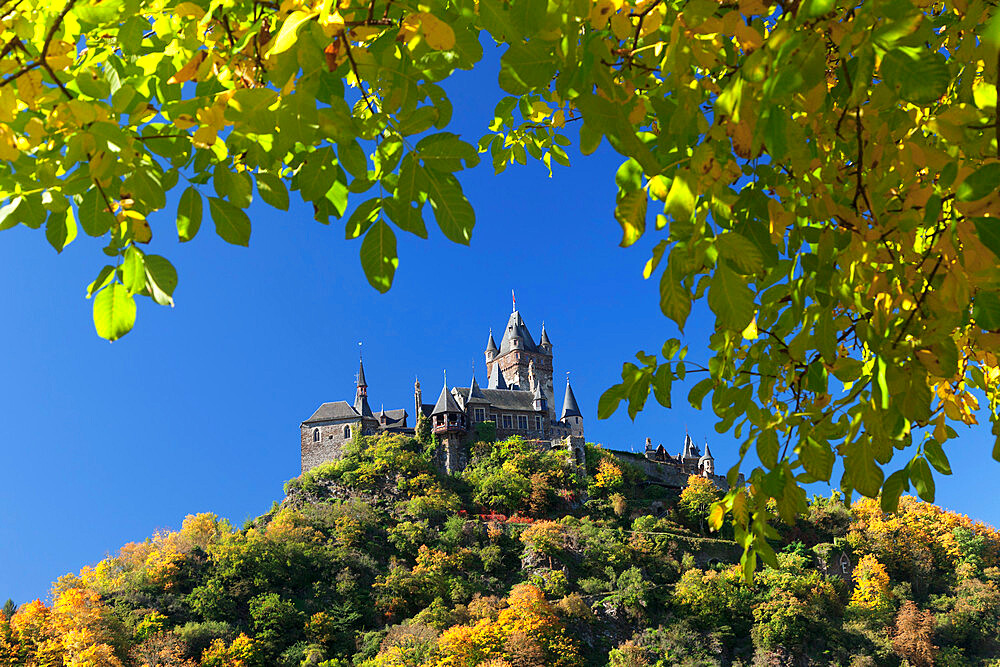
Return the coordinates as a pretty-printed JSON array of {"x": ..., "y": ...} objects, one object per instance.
[
  {"x": 315, "y": 435},
  {"x": 347, "y": 432}
]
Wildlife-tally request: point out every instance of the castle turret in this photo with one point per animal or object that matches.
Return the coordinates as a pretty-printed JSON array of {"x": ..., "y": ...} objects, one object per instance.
[
  {"x": 539, "y": 401},
  {"x": 690, "y": 455},
  {"x": 418, "y": 402},
  {"x": 449, "y": 425},
  {"x": 650, "y": 451},
  {"x": 491, "y": 353},
  {"x": 361, "y": 394},
  {"x": 706, "y": 463},
  {"x": 544, "y": 344},
  {"x": 571, "y": 415}
]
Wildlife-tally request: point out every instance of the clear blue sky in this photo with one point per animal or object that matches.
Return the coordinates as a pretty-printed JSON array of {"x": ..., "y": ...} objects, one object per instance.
[{"x": 197, "y": 410}]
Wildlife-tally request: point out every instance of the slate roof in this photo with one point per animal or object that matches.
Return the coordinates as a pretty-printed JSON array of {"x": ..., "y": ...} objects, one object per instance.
[
  {"x": 361, "y": 374},
  {"x": 570, "y": 408},
  {"x": 496, "y": 378},
  {"x": 392, "y": 417},
  {"x": 545, "y": 337},
  {"x": 475, "y": 393},
  {"x": 446, "y": 402},
  {"x": 707, "y": 456},
  {"x": 491, "y": 346},
  {"x": 517, "y": 329},
  {"x": 690, "y": 450},
  {"x": 507, "y": 399},
  {"x": 333, "y": 411},
  {"x": 427, "y": 409},
  {"x": 361, "y": 405}
]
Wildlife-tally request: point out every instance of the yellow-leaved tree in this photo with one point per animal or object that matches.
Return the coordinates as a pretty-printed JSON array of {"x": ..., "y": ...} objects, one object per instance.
[{"x": 823, "y": 174}]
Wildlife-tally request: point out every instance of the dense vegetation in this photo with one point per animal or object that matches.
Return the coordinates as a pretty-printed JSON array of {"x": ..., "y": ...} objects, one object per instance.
[{"x": 376, "y": 560}]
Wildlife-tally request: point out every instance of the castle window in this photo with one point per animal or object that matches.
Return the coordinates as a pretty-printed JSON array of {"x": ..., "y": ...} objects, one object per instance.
[
  {"x": 315, "y": 435},
  {"x": 508, "y": 421},
  {"x": 538, "y": 423},
  {"x": 439, "y": 419},
  {"x": 347, "y": 432},
  {"x": 522, "y": 422},
  {"x": 493, "y": 418},
  {"x": 480, "y": 414}
]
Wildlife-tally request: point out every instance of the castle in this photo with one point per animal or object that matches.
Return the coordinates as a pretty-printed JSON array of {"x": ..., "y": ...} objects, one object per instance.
[{"x": 516, "y": 401}]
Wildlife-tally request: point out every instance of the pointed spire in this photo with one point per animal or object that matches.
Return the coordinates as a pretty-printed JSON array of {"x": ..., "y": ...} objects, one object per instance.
[
  {"x": 475, "y": 392},
  {"x": 690, "y": 451},
  {"x": 496, "y": 378},
  {"x": 491, "y": 345},
  {"x": 570, "y": 408},
  {"x": 545, "y": 337},
  {"x": 446, "y": 402},
  {"x": 708, "y": 454},
  {"x": 361, "y": 369},
  {"x": 361, "y": 394}
]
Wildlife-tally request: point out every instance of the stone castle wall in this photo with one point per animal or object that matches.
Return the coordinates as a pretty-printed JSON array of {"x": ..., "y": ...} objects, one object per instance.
[
  {"x": 664, "y": 473},
  {"x": 329, "y": 447}
]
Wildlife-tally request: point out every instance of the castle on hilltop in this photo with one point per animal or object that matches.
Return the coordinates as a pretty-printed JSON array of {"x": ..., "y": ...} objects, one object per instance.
[{"x": 517, "y": 400}]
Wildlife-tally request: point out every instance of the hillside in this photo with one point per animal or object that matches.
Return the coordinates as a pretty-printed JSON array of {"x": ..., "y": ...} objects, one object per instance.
[{"x": 376, "y": 560}]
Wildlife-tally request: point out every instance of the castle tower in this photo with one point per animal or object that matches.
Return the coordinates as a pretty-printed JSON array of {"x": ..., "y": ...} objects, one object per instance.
[
  {"x": 361, "y": 393},
  {"x": 706, "y": 463},
  {"x": 449, "y": 424},
  {"x": 690, "y": 455},
  {"x": 491, "y": 353},
  {"x": 418, "y": 402},
  {"x": 517, "y": 352},
  {"x": 571, "y": 415}
]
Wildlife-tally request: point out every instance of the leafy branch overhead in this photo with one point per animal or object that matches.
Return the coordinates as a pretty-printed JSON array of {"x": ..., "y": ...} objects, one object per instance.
[{"x": 823, "y": 175}]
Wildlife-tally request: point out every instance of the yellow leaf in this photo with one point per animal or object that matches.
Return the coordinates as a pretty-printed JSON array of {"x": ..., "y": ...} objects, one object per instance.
[
  {"x": 559, "y": 119},
  {"x": 8, "y": 105},
  {"x": 621, "y": 25},
  {"x": 8, "y": 145},
  {"x": 651, "y": 23},
  {"x": 750, "y": 333},
  {"x": 187, "y": 72},
  {"x": 438, "y": 34},
  {"x": 332, "y": 24},
  {"x": 288, "y": 33},
  {"x": 189, "y": 10},
  {"x": 29, "y": 87},
  {"x": 59, "y": 55},
  {"x": 600, "y": 13},
  {"x": 539, "y": 111},
  {"x": 141, "y": 231}
]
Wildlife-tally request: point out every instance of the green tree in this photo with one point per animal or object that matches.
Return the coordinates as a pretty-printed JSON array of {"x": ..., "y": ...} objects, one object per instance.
[{"x": 823, "y": 177}]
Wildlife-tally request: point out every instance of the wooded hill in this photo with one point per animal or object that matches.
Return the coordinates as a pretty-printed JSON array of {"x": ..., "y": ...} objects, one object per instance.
[{"x": 376, "y": 560}]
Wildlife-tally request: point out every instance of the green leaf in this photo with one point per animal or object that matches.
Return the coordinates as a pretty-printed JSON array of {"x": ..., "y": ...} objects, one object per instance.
[
  {"x": 986, "y": 310},
  {"x": 133, "y": 271},
  {"x": 93, "y": 213},
  {"x": 630, "y": 212},
  {"x": 675, "y": 301},
  {"x": 740, "y": 251},
  {"x": 446, "y": 152},
  {"x": 452, "y": 210},
  {"x": 936, "y": 456},
  {"x": 609, "y": 401},
  {"x": 662, "y": 383},
  {"x": 699, "y": 391},
  {"x": 287, "y": 34},
  {"x": 988, "y": 230},
  {"x": 363, "y": 217},
  {"x": 419, "y": 121},
  {"x": 7, "y": 219},
  {"x": 680, "y": 198},
  {"x": 161, "y": 279},
  {"x": 922, "y": 478},
  {"x": 893, "y": 487},
  {"x": 918, "y": 74},
  {"x": 767, "y": 448},
  {"x": 378, "y": 256},
  {"x": 189, "y": 212},
  {"x": 730, "y": 299},
  {"x": 114, "y": 312},
  {"x": 60, "y": 229},
  {"x": 406, "y": 216},
  {"x": 980, "y": 183},
  {"x": 231, "y": 223},
  {"x": 353, "y": 158},
  {"x": 860, "y": 467},
  {"x": 272, "y": 190},
  {"x": 816, "y": 457}
]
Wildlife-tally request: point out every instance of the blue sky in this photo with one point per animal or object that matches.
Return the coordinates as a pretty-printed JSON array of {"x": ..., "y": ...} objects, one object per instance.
[{"x": 197, "y": 410}]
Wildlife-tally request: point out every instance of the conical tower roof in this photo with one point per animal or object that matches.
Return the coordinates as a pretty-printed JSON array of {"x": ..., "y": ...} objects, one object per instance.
[
  {"x": 517, "y": 329},
  {"x": 496, "y": 378},
  {"x": 690, "y": 451},
  {"x": 707, "y": 456},
  {"x": 445, "y": 403},
  {"x": 475, "y": 393},
  {"x": 361, "y": 373},
  {"x": 570, "y": 408},
  {"x": 491, "y": 345},
  {"x": 545, "y": 337}
]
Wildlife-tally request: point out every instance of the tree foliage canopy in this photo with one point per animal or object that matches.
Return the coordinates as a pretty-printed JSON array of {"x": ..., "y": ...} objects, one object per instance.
[{"x": 824, "y": 175}]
